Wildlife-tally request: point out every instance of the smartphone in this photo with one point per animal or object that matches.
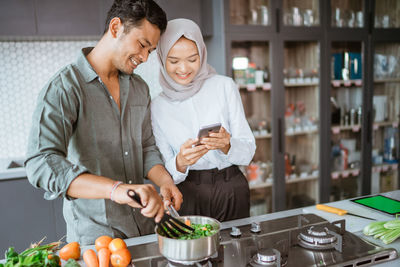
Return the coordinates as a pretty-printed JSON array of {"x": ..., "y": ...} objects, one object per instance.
[
  {"x": 205, "y": 130},
  {"x": 381, "y": 203}
]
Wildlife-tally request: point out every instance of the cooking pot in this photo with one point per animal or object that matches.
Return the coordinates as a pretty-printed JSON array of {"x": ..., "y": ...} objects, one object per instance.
[{"x": 193, "y": 250}]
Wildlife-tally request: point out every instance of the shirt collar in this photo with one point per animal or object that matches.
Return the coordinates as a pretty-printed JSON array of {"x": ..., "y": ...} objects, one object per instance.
[
  {"x": 87, "y": 70},
  {"x": 84, "y": 66}
]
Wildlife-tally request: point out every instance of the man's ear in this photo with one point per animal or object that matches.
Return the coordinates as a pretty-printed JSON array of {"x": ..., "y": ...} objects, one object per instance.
[{"x": 115, "y": 27}]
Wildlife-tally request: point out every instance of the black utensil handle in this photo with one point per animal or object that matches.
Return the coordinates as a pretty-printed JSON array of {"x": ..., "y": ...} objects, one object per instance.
[{"x": 132, "y": 194}]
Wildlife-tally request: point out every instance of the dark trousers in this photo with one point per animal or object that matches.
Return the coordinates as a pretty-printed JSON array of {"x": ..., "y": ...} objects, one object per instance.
[{"x": 220, "y": 194}]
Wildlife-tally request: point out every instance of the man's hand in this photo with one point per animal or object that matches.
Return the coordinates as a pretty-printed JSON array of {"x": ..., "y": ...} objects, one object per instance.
[
  {"x": 152, "y": 203},
  {"x": 220, "y": 140},
  {"x": 189, "y": 154},
  {"x": 171, "y": 195}
]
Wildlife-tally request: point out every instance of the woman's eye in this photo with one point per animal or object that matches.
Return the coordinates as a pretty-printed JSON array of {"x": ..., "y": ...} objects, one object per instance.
[
  {"x": 141, "y": 45},
  {"x": 192, "y": 60}
]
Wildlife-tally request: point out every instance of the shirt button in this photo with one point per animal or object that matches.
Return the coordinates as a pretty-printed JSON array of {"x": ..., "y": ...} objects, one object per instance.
[
  {"x": 111, "y": 97},
  {"x": 126, "y": 153}
]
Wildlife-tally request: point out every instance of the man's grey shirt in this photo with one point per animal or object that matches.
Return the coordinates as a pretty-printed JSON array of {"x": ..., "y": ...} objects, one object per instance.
[{"x": 78, "y": 128}]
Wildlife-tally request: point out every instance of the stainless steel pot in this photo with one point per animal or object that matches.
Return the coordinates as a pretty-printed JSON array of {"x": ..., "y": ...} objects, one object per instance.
[{"x": 190, "y": 251}]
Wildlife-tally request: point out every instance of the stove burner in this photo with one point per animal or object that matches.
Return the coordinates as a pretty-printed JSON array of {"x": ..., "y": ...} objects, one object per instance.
[
  {"x": 267, "y": 257},
  {"x": 204, "y": 263},
  {"x": 317, "y": 237},
  {"x": 201, "y": 263}
]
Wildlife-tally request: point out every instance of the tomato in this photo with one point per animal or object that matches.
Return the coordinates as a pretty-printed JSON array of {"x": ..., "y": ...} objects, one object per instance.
[
  {"x": 102, "y": 242},
  {"x": 70, "y": 251},
  {"x": 121, "y": 258},
  {"x": 116, "y": 244}
]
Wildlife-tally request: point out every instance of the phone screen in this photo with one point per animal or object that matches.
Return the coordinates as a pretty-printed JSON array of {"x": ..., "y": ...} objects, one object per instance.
[{"x": 381, "y": 203}]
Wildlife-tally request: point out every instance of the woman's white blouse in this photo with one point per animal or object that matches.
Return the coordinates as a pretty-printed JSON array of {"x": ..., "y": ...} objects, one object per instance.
[{"x": 218, "y": 101}]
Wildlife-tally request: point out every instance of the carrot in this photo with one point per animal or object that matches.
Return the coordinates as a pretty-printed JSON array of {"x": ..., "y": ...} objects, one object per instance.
[
  {"x": 187, "y": 222},
  {"x": 90, "y": 258},
  {"x": 104, "y": 257}
]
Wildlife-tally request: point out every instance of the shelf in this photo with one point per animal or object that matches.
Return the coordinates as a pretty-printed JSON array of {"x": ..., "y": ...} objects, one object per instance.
[
  {"x": 301, "y": 133},
  {"x": 387, "y": 80},
  {"x": 348, "y": 83},
  {"x": 337, "y": 129},
  {"x": 357, "y": 127},
  {"x": 266, "y": 136},
  {"x": 377, "y": 125},
  {"x": 345, "y": 173},
  {"x": 253, "y": 87},
  {"x": 288, "y": 181},
  {"x": 301, "y": 84},
  {"x": 267, "y": 86},
  {"x": 384, "y": 167}
]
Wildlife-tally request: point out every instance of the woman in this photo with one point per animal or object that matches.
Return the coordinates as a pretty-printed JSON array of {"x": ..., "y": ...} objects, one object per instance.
[{"x": 193, "y": 95}]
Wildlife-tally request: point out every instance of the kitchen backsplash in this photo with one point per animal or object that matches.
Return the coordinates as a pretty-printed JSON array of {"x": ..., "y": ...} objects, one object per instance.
[{"x": 25, "y": 67}]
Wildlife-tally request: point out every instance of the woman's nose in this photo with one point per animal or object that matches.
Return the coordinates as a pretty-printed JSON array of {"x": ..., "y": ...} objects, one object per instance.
[{"x": 182, "y": 67}]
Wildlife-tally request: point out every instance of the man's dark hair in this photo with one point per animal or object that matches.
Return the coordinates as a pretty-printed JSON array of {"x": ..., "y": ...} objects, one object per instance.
[{"x": 132, "y": 12}]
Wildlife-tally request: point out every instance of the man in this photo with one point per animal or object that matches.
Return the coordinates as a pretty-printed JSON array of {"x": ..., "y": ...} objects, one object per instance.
[{"x": 91, "y": 138}]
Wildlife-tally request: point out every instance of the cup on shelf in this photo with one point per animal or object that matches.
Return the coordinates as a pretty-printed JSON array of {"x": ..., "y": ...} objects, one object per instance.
[
  {"x": 263, "y": 15},
  {"x": 308, "y": 17},
  {"x": 359, "y": 19},
  {"x": 297, "y": 19},
  {"x": 253, "y": 17},
  {"x": 351, "y": 19},
  {"x": 337, "y": 18}
]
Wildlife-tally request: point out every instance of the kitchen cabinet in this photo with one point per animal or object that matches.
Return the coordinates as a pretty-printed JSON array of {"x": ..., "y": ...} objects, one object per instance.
[
  {"x": 17, "y": 17},
  {"x": 84, "y": 18},
  {"x": 26, "y": 216},
  {"x": 72, "y": 17},
  {"x": 197, "y": 10},
  {"x": 312, "y": 112}
]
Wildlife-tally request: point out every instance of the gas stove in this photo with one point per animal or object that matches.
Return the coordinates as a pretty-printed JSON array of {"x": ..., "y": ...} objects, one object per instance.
[{"x": 302, "y": 240}]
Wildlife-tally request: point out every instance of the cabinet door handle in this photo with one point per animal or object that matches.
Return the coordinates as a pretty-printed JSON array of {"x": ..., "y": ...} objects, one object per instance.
[
  {"x": 280, "y": 136},
  {"x": 369, "y": 125},
  {"x": 277, "y": 19}
]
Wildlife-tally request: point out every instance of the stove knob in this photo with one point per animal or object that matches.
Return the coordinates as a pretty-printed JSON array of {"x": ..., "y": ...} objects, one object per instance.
[
  {"x": 255, "y": 227},
  {"x": 235, "y": 232}
]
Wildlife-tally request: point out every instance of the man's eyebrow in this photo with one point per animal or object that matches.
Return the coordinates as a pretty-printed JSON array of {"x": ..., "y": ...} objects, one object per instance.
[{"x": 148, "y": 42}]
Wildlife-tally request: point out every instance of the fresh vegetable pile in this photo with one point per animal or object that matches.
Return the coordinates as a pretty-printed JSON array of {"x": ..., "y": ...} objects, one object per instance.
[
  {"x": 200, "y": 230},
  {"x": 110, "y": 252},
  {"x": 35, "y": 256},
  {"x": 387, "y": 231}
]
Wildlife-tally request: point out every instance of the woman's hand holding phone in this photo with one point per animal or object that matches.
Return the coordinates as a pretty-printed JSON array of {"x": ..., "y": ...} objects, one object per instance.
[
  {"x": 189, "y": 154},
  {"x": 220, "y": 140}
]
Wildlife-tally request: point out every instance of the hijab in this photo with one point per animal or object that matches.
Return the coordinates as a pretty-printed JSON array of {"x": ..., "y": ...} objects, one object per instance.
[{"x": 175, "y": 30}]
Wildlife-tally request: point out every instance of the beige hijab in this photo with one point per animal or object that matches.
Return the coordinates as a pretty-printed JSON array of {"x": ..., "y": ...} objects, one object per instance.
[{"x": 176, "y": 29}]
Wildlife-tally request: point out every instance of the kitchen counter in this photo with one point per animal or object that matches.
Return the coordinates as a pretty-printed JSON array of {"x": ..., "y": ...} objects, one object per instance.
[
  {"x": 16, "y": 171},
  {"x": 353, "y": 224}
]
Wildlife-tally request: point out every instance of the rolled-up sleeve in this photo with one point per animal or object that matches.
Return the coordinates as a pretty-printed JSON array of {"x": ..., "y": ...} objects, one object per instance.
[
  {"x": 151, "y": 154},
  {"x": 53, "y": 120}
]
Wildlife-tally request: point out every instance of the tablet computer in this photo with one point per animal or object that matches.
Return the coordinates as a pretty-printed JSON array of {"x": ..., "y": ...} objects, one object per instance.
[{"x": 381, "y": 203}]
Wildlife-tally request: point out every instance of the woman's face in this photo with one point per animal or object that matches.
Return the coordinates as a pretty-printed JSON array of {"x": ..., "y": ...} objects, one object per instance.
[{"x": 183, "y": 61}]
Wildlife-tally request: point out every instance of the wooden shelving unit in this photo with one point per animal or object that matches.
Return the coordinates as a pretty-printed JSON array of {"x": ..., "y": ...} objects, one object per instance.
[{"x": 289, "y": 52}]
